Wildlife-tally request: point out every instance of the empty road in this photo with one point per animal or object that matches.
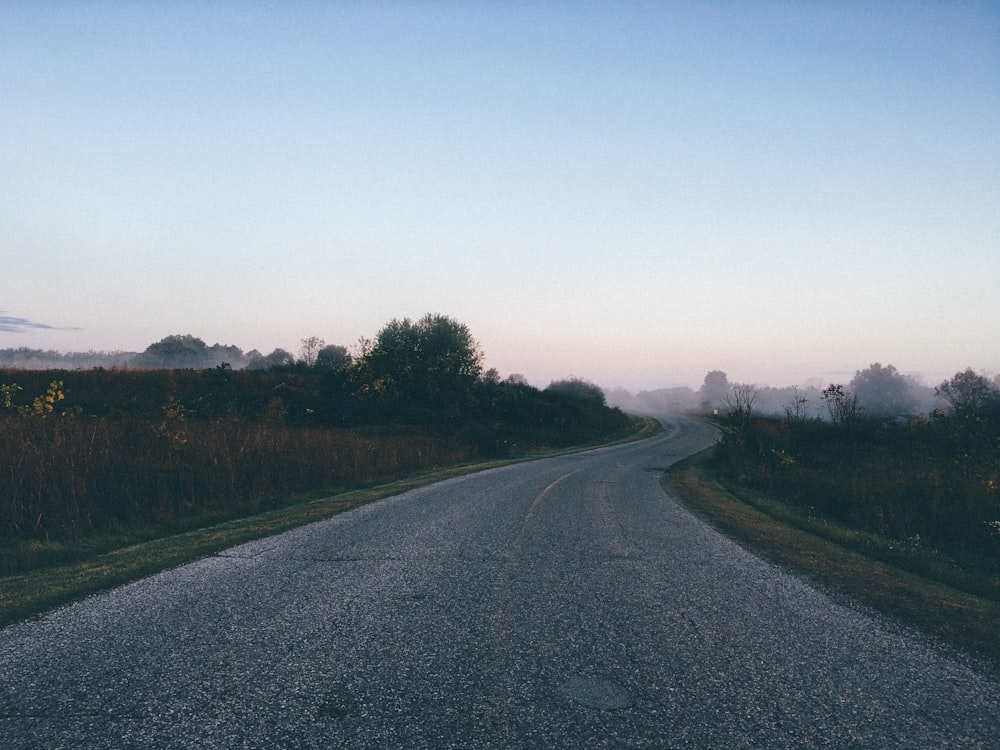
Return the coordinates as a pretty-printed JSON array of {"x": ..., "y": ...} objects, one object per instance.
[{"x": 563, "y": 603}]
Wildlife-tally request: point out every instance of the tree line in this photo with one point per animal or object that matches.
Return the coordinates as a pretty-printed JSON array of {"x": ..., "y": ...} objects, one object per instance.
[
  {"x": 421, "y": 372},
  {"x": 176, "y": 351},
  {"x": 90, "y": 451},
  {"x": 877, "y": 392}
]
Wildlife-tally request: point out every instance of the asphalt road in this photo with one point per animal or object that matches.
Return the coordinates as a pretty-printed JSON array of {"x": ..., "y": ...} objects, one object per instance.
[{"x": 564, "y": 603}]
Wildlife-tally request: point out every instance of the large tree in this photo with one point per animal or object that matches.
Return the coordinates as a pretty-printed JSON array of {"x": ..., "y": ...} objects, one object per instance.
[
  {"x": 332, "y": 357},
  {"x": 187, "y": 351},
  {"x": 714, "y": 389},
  {"x": 421, "y": 370},
  {"x": 176, "y": 351},
  {"x": 967, "y": 392},
  {"x": 883, "y": 392}
]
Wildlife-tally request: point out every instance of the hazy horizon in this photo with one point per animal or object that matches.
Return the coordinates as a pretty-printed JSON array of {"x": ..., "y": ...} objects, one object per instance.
[
  {"x": 632, "y": 193},
  {"x": 842, "y": 376}
]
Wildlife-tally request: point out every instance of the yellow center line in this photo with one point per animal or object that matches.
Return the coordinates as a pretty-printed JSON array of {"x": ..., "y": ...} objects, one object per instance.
[
  {"x": 497, "y": 712},
  {"x": 543, "y": 493},
  {"x": 516, "y": 543}
]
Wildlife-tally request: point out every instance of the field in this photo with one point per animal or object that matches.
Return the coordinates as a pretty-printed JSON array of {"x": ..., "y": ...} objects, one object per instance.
[
  {"x": 94, "y": 460},
  {"x": 926, "y": 483}
]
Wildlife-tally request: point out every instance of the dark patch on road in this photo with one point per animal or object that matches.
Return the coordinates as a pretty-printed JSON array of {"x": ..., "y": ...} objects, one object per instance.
[
  {"x": 336, "y": 706},
  {"x": 597, "y": 693}
]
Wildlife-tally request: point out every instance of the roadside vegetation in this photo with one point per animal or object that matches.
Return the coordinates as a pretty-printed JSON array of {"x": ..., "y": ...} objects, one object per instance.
[
  {"x": 94, "y": 460},
  {"x": 917, "y": 496}
]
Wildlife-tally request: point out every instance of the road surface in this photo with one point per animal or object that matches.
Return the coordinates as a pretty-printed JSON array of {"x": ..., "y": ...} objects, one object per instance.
[{"x": 563, "y": 603}]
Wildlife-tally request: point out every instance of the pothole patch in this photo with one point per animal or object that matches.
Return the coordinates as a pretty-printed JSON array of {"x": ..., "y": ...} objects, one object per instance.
[
  {"x": 336, "y": 706},
  {"x": 597, "y": 693}
]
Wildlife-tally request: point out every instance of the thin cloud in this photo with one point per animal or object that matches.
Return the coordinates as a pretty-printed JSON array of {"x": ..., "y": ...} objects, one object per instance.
[{"x": 20, "y": 325}]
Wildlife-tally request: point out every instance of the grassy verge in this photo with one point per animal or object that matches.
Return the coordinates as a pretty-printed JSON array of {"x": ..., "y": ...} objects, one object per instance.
[
  {"x": 28, "y": 594},
  {"x": 911, "y": 584}
]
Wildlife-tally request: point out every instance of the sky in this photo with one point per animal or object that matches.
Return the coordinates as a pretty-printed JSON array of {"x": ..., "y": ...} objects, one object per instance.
[{"x": 633, "y": 193}]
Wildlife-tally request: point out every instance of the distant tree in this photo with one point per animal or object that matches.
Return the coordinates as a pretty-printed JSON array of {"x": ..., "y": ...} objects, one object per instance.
[
  {"x": 332, "y": 357},
  {"x": 277, "y": 358},
  {"x": 714, "y": 389},
  {"x": 796, "y": 410},
  {"x": 883, "y": 392},
  {"x": 578, "y": 389},
  {"x": 740, "y": 400},
  {"x": 310, "y": 349},
  {"x": 91, "y": 359},
  {"x": 678, "y": 398},
  {"x": 620, "y": 397},
  {"x": 842, "y": 405},
  {"x": 30, "y": 359},
  {"x": 219, "y": 354},
  {"x": 181, "y": 351},
  {"x": 967, "y": 392}
]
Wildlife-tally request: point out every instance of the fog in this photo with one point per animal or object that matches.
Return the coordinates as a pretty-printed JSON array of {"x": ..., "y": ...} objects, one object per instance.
[
  {"x": 882, "y": 391},
  {"x": 177, "y": 351}
]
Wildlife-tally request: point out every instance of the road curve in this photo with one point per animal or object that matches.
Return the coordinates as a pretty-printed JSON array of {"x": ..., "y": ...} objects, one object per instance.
[{"x": 563, "y": 603}]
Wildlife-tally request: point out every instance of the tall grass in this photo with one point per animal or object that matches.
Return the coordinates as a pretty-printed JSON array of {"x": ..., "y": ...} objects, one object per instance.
[
  {"x": 931, "y": 481},
  {"x": 73, "y": 476},
  {"x": 109, "y": 451}
]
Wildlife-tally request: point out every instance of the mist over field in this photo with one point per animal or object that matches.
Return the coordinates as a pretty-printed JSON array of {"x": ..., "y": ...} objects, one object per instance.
[{"x": 881, "y": 390}]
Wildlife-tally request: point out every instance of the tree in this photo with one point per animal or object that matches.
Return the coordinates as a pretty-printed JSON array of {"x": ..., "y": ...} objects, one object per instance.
[
  {"x": 176, "y": 351},
  {"x": 740, "y": 399},
  {"x": 310, "y": 349},
  {"x": 842, "y": 405},
  {"x": 277, "y": 358},
  {"x": 883, "y": 392},
  {"x": 967, "y": 392},
  {"x": 796, "y": 411},
  {"x": 577, "y": 389},
  {"x": 332, "y": 357},
  {"x": 219, "y": 354},
  {"x": 425, "y": 370},
  {"x": 714, "y": 389},
  {"x": 190, "y": 352}
]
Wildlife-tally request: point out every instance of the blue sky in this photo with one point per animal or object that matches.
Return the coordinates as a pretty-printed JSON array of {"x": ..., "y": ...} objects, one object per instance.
[{"x": 633, "y": 193}]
